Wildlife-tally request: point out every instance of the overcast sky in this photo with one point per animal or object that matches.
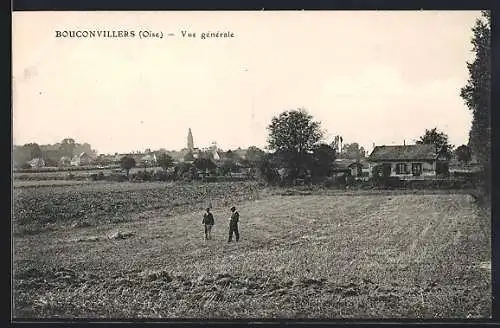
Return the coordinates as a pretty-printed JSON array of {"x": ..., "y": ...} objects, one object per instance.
[{"x": 372, "y": 77}]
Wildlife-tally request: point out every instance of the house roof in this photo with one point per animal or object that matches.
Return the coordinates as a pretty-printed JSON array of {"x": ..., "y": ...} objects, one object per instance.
[
  {"x": 37, "y": 160},
  {"x": 343, "y": 163},
  {"x": 401, "y": 153},
  {"x": 79, "y": 155}
]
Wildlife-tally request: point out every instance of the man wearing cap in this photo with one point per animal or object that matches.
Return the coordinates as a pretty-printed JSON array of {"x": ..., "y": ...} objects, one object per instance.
[
  {"x": 208, "y": 221},
  {"x": 233, "y": 225}
]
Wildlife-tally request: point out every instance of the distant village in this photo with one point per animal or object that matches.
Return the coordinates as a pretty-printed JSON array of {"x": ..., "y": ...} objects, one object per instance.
[{"x": 416, "y": 161}]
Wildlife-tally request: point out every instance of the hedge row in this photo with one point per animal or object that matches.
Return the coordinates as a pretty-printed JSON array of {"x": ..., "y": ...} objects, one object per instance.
[{"x": 65, "y": 169}]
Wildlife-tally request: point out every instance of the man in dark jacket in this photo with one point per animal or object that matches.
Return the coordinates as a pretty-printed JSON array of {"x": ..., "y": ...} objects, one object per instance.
[
  {"x": 233, "y": 225},
  {"x": 208, "y": 221}
]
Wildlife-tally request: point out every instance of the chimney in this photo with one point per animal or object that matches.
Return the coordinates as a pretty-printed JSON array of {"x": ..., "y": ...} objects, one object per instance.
[{"x": 404, "y": 142}]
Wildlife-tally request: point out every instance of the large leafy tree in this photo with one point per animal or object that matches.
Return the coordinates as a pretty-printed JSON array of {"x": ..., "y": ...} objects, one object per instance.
[
  {"x": 323, "y": 156},
  {"x": 204, "y": 164},
  {"x": 463, "y": 154},
  {"x": 293, "y": 135},
  {"x": 438, "y": 138},
  {"x": 267, "y": 167},
  {"x": 165, "y": 161},
  {"x": 25, "y": 153},
  {"x": 34, "y": 150},
  {"x": 228, "y": 165},
  {"x": 67, "y": 147},
  {"x": 353, "y": 151},
  {"x": 127, "y": 163},
  {"x": 476, "y": 94}
]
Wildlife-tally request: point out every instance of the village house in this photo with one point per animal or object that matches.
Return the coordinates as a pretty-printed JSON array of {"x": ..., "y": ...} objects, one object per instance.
[
  {"x": 81, "y": 159},
  {"x": 355, "y": 168},
  {"x": 408, "y": 162},
  {"x": 148, "y": 160},
  {"x": 37, "y": 163},
  {"x": 65, "y": 161}
]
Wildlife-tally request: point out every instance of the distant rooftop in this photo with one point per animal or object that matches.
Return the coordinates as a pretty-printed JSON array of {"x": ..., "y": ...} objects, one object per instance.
[{"x": 401, "y": 153}]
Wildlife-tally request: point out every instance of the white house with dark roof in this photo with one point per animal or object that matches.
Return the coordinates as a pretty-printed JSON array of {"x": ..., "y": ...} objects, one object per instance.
[
  {"x": 65, "y": 161},
  {"x": 37, "y": 163},
  {"x": 408, "y": 161},
  {"x": 148, "y": 160},
  {"x": 81, "y": 159}
]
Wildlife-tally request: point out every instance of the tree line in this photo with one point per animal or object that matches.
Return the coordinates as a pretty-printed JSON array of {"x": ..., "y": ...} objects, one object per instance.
[
  {"x": 476, "y": 94},
  {"x": 51, "y": 153}
]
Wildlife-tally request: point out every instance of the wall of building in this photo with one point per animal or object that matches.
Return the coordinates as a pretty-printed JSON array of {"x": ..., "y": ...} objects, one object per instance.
[{"x": 428, "y": 169}]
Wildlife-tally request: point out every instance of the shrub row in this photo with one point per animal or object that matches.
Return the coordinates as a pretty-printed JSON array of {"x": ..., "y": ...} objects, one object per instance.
[
  {"x": 396, "y": 183},
  {"x": 64, "y": 169}
]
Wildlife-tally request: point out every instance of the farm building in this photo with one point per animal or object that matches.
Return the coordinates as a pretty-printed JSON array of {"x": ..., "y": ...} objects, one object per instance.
[
  {"x": 65, "y": 161},
  {"x": 408, "y": 161},
  {"x": 37, "y": 162},
  {"x": 355, "y": 168},
  {"x": 81, "y": 159},
  {"x": 148, "y": 160}
]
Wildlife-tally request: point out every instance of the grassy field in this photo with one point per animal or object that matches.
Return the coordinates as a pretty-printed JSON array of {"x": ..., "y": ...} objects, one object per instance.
[
  {"x": 59, "y": 175},
  {"x": 137, "y": 250}
]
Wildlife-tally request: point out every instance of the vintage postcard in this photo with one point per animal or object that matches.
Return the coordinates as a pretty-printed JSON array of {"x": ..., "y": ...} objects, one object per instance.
[{"x": 245, "y": 165}]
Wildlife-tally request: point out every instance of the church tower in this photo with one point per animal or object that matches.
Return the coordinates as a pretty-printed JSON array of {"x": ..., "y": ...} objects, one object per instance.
[{"x": 190, "y": 144}]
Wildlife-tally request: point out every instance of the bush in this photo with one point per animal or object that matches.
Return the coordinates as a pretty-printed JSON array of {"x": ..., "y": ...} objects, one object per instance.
[
  {"x": 329, "y": 182},
  {"x": 335, "y": 182},
  {"x": 143, "y": 176},
  {"x": 350, "y": 180},
  {"x": 161, "y": 176},
  {"x": 117, "y": 177},
  {"x": 210, "y": 178},
  {"x": 97, "y": 176}
]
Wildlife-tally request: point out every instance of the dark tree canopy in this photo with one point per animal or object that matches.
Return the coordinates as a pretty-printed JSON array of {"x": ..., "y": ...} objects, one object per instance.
[
  {"x": 476, "y": 94},
  {"x": 25, "y": 153},
  {"x": 127, "y": 163},
  {"x": 204, "y": 164},
  {"x": 189, "y": 157},
  {"x": 463, "y": 154},
  {"x": 267, "y": 168},
  {"x": 323, "y": 157},
  {"x": 34, "y": 150},
  {"x": 254, "y": 154},
  {"x": 294, "y": 130},
  {"x": 293, "y": 135},
  {"x": 440, "y": 139},
  {"x": 229, "y": 165},
  {"x": 67, "y": 147},
  {"x": 165, "y": 161},
  {"x": 232, "y": 155}
]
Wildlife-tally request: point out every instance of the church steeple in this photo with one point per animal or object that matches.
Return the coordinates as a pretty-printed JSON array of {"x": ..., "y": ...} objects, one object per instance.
[{"x": 190, "y": 143}]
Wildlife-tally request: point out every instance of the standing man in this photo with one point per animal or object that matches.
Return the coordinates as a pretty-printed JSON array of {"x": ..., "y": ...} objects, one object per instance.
[
  {"x": 208, "y": 221},
  {"x": 233, "y": 225}
]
